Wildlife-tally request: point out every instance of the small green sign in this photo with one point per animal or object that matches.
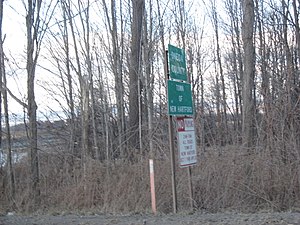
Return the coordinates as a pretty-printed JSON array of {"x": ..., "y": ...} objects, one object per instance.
[
  {"x": 179, "y": 98},
  {"x": 177, "y": 64}
]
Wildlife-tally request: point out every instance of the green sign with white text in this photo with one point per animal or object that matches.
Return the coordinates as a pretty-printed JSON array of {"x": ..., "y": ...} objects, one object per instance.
[
  {"x": 177, "y": 64},
  {"x": 179, "y": 98}
]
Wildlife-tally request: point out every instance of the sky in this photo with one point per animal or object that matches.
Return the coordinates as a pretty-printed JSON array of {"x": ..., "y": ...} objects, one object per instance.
[{"x": 14, "y": 30}]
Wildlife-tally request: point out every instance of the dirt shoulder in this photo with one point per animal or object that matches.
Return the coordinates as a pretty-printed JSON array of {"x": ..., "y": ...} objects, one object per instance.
[{"x": 286, "y": 218}]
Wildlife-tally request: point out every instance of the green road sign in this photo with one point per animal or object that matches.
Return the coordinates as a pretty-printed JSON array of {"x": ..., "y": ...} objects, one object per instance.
[
  {"x": 177, "y": 64},
  {"x": 179, "y": 98}
]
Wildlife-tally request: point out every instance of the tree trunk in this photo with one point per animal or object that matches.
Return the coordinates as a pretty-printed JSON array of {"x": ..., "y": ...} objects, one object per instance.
[
  {"x": 104, "y": 152},
  {"x": 117, "y": 65},
  {"x": 134, "y": 70},
  {"x": 222, "y": 126},
  {"x": 265, "y": 75},
  {"x": 84, "y": 92},
  {"x": 248, "y": 75},
  {"x": 69, "y": 97},
  {"x": 148, "y": 62},
  {"x": 10, "y": 172},
  {"x": 1, "y": 74},
  {"x": 32, "y": 55}
]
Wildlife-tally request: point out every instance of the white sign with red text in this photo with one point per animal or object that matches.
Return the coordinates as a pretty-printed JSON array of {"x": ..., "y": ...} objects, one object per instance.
[{"x": 186, "y": 141}]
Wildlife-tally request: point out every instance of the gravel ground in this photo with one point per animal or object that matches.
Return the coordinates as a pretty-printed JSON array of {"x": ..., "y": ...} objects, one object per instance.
[{"x": 286, "y": 218}]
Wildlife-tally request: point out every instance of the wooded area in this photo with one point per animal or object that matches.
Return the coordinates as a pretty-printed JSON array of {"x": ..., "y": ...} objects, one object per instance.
[{"x": 105, "y": 62}]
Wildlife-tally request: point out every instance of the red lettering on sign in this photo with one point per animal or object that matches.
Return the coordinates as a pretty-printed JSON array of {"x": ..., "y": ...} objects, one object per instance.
[{"x": 180, "y": 124}]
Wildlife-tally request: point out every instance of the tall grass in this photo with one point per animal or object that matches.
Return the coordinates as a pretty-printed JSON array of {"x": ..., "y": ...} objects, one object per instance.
[{"x": 224, "y": 179}]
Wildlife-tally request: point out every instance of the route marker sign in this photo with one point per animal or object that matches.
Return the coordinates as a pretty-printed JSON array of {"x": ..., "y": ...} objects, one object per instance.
[
  {"x": 179, "y": 98},
  {"x": 180, "y": 103},
  {"x": 186, "y": 141},
  {"x": 177, "y": 63}
]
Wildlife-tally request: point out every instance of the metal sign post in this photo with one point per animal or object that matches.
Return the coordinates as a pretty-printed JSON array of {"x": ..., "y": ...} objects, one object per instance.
[
  {"x": 171, "y": 144},
  {"x": 173, "y": 170},
  {"x": 180, "y": 103},
  {"x": 187, "y": 149}
]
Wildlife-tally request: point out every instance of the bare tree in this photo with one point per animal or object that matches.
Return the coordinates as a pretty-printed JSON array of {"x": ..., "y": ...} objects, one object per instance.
[
  {"x": 148, "y": 53},
  {"x": 9, "y": 164},
  {"x": 134, "y": 70},
  {"x": 117, "y": 44},
  {"x": 235, "y": 64},
  {"x": 1, "y": 70},
  {"x": 221, "y": 91},
  {"x": 69, "y": 96},
  {"x": 248, "y": 75},
  {"x": 85, "y": 85},
  {"x": 36, "y": 27},
  {"x": 33, "y": 48}
]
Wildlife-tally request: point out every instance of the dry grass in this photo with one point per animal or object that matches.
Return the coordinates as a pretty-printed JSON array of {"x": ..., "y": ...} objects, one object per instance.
[{"x": 224, "y": 179}]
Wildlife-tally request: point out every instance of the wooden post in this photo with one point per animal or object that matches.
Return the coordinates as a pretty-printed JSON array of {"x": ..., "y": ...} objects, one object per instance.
[
  {"x": 173, "y": 171},
  {"x": 171, "y": 144},
  {"x": 190, "y": 187}
]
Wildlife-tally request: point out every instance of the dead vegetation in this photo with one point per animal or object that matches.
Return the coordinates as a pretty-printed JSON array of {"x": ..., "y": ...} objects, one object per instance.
[{"x": 230, "y": 179}]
